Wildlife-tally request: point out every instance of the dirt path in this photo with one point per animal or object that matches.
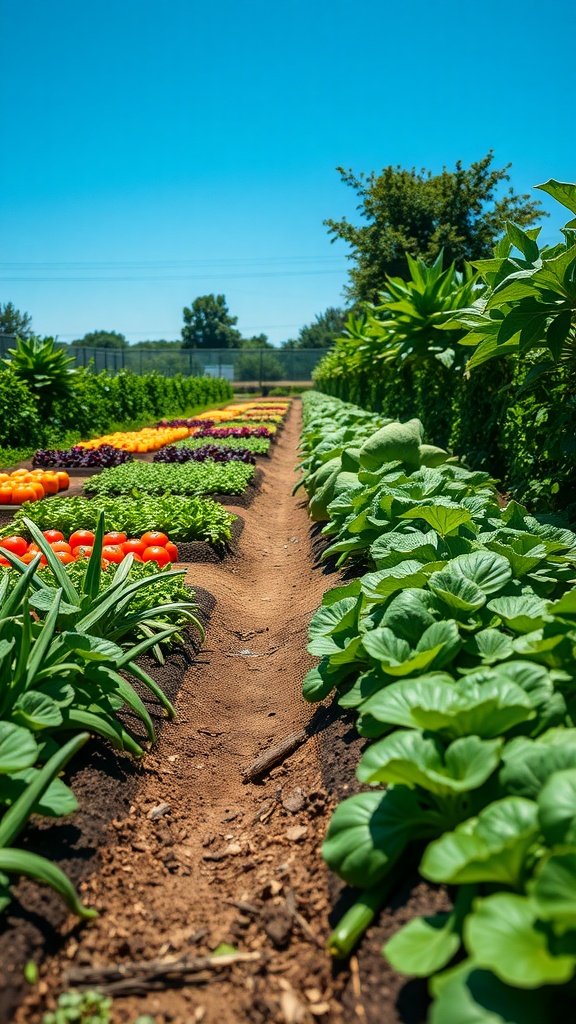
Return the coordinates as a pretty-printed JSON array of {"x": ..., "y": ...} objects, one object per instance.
[{"x": 196, "y": 839}]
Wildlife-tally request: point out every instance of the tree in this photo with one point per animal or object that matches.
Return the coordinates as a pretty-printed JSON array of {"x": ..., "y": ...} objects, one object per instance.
[
  {"x": 208, "y": 324},
  {"x": 323, "y": 332},
  {"x": 420, "y": 213},
  {"x": 101, "y": 339},
  {"x": 13, "y": 322}
]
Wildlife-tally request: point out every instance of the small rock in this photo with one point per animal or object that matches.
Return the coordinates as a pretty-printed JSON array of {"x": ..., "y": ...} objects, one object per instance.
[
  {"x": 278, "y": 926},
  {"x": 294, "y": 801},
  {"x": 159, "y": 811},
  {"x": 296, "y": 833}
]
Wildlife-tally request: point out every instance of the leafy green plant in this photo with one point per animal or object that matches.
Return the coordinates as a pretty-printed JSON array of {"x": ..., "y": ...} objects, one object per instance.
[
  {"x": 531, "y": 299},
  {"x": 457, "y": 655},
  {"x": 183, "y": 519},
  {"x": 46, "y": 369},
  {"x": 15, "y": 861},
  {"x": 207, "y": 477}
]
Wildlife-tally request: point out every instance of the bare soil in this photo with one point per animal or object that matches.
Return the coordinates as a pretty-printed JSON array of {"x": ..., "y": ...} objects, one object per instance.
[{"x": 184, "y": 856}]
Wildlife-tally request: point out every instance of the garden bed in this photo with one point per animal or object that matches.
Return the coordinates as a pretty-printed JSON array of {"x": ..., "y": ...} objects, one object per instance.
[{"x": 104, "y": 782}]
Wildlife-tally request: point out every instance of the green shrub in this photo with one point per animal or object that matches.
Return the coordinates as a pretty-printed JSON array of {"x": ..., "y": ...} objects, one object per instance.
[{"x": 20, "y": 422}]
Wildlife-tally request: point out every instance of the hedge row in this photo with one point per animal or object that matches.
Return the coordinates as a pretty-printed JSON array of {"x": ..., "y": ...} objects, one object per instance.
[
  {"x": 98, "y": 402},
  {"x": 521, "y": 432}
]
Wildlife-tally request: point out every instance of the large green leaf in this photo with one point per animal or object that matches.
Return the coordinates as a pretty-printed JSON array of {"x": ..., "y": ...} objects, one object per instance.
[
  {"x": 490, "y": 646},
  {"x": 423, "y": 946},
  {"x": 410, "y": 758},
  {"x": 410, "y": 613},
  {"x": 36, "y": 711},
  {"x": 456, "y": 592},
  {"x": 395, "y": 655},
  {"x": 527, "y": 763},
  {"x": 489, "y": 848},
  {"x": 335, "y": 620},
  {"x": 553, "y": 890},
  {"x": 488, "y": 570},
  {"x": 503, "y": 935},
  {"x": 437, "y": 703},
  {"x": 522, "y": 613},
  {"x": 18, "y": 749},
  {"x": 57, "y": 800},
  {"x": 469, "y": 995},
  {"x": 443, "y": 518},
  {"x": 557, "y": 807},
  {"x": 378, "y": 585},
  {"x": 370, "y": 831}
]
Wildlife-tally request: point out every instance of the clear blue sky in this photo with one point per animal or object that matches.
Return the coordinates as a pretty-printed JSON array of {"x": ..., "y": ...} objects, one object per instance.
[{"x": 154, "y": 151}]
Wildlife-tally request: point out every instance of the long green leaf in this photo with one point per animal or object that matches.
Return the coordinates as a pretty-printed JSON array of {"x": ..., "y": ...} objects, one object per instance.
[
  {"x": 22, "y": 862},
  {"x": 16, "y": 816}
]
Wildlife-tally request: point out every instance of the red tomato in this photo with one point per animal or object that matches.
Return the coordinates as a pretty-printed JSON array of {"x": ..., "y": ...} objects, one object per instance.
[
  {"x": 172, "y": 551},
  {"x": 137, "y": 547},
  {"x": 81, "y": 537},
  {"x": 136, "y": 557},
  {"x": 60, "y": 545},
  {"x": 33, "y": 549},
  {"x": 17, "y": 545},
  {"x": 113, "y": 553},
  {"x": 29, "y": 557},
  {"x": 52, "y": 535},
  {"x": 113, "y": 538},
  {"x": 4, "y": 561},
  {"x": 66, "y": 557},
  {"x": 154, "y": 539},
  {"x": 82, "y": 550},
  {"x": 154, "y": 553}
]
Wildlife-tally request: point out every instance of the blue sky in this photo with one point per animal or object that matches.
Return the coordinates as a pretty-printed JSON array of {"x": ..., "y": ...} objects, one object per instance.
[{"x": 153, "y": 152}]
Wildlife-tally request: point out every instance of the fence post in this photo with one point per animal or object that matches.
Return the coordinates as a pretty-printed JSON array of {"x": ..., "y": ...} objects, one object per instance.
[{"x": 261, "y": 361}]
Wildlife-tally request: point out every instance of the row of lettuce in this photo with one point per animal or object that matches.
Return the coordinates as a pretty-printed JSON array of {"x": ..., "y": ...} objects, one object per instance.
[
  {"x": 484, "y": 357},
  {"x": 76, "y": 621},
  {"x": 453, "y": 644}
]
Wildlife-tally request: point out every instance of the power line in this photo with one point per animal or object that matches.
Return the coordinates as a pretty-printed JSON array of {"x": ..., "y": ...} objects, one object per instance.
[{"x": 174, "y": 277}]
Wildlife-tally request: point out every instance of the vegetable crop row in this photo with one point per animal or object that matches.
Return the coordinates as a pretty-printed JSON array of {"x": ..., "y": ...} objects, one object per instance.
[
  {"x": 208, "y": 477},
  {"x": 455, "y": 648},
  {"x": 70, "y": 639}
]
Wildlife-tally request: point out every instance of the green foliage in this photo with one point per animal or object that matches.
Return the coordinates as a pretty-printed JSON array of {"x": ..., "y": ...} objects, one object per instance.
[
  {"x": 457, "y": 654},
  {"x": 209, "y": 324},
  {"x": 183, "y": 519},
  {"x": 158, "y": 478},
  {"x": 20, "y": 419},
  {"x": 417, "y": 213},
  {"x": 257, "y": 445},
  {"x": 531, "y": 298},
  {"x": 258, "y": 366},
  {"x": 100, "y": 339},
  {"x": 80, "y": 1008},
  {"x": 13, "y": 322},
  {"x": 44, "y": 368}
]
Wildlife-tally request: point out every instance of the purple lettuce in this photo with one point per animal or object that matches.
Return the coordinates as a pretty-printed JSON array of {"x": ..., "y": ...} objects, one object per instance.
[
  {"x": 208, "y": 451},
  {"x": 81, "y": 458}
]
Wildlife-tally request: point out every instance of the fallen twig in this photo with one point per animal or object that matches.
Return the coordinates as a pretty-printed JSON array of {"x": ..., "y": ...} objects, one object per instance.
[{"x": 145, "y": 975}]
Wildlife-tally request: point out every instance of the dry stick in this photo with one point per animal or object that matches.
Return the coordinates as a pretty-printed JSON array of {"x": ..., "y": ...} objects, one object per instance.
[
  {"x": 135, "y": 977},
  {"x": 282, "y": 750}
]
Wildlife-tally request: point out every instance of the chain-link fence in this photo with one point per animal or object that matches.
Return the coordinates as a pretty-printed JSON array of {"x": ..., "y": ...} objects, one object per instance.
[{"x": 253, "y": 365}]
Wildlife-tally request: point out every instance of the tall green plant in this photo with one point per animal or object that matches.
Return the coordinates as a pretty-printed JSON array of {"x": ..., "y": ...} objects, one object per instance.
[
  {"x": 531, "y": 298},
  {"x": 44, "y": 368}
]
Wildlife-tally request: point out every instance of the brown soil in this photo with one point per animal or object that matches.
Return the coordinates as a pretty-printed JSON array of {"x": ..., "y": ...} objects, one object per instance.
[{"x": 185, "y": 856}]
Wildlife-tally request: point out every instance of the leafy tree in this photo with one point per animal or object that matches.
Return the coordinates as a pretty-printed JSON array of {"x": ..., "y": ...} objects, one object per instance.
[
  {"x": 209, "y": 324},
  {"x": 420, "y": 213},
  {"x": 257, "y": 341},
  {"x": 323, "y": 332},
  {"x": 101, "y": 339},
  {"x": 12, "y": 321}
]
